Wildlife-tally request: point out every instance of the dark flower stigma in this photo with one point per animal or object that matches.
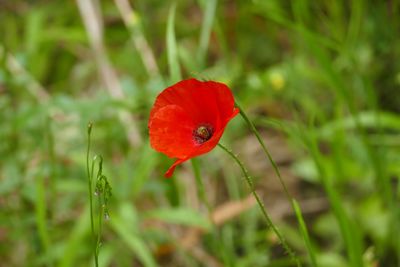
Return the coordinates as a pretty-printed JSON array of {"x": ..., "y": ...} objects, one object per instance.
[{"x": 203, "y": 133}]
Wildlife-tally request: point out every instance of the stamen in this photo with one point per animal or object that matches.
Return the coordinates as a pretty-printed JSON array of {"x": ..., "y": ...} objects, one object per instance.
[{"x": 203, "y": 133}]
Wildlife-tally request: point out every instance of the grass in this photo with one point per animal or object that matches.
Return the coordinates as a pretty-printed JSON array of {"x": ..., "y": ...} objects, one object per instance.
[{"x": 319, "y": 80}]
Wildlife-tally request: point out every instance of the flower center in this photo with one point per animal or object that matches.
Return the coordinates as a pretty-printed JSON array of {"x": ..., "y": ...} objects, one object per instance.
[{"x": 203, "y": 133}]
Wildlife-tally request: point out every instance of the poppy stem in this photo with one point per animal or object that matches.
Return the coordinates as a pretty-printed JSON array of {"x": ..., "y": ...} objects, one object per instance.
[
  {"x": 266, "y": 151},
  {"x": 293, "y": 203},
  {"x": 261, "y": 205}
]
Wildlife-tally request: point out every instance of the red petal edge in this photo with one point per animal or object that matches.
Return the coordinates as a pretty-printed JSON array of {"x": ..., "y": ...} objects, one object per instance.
[{"x": 171, "y": 169}]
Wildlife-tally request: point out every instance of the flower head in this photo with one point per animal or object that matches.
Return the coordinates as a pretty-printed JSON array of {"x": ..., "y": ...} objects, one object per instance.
[{"x": 189, "y": 118}]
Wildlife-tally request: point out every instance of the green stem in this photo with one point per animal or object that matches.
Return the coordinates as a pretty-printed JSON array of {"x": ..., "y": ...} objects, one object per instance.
[
  {"x": 261, "y": 205},
  {"x": 89, "y": 175},
  {"x": 304, "y": 232},
  {"x": 292, "y": 201},
  {"x": 90, "y": 179},
  {"x": 100, "y": 221},
  {"x": 264, "y": 147}
]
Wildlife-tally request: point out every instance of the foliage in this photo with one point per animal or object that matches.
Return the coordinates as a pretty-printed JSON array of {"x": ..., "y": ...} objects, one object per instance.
[{"x": 320, "y": 77}]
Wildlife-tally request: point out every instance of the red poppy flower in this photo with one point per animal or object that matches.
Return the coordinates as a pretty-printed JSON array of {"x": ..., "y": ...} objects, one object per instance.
[{"x": 189, "y": 118}]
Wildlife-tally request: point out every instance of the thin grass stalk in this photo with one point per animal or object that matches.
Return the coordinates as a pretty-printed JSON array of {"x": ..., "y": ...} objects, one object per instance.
[
  {"x": 304, "y": 233},
  {"x": 90, "y": 188},
  {"x": 261, "y": 205},
  {"x": 89, "y": 175},
  {"x": 100, "y": 222}
]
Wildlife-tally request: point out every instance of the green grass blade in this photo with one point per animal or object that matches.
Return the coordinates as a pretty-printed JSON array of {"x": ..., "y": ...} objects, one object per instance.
[
  {"x": 348, "y": 230},
  {"x": 125, "y": 226},
  {"x": 304, "y": 233},
  {"x": 142, "y": 170},
  {"x": 208, "y": 19},
  {"x": 172, "y": 48},
  {"x": 134, "y": 243},
  {"x": 76, "y": 237}
]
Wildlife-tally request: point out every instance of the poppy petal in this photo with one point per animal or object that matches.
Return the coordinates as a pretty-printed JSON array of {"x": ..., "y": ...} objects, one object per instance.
[
  {"x": 182, "y": 110},
  {"x": 224, "y": 99},
  {"x": 195, "y": 97},
  {"x": 171, "y": 132},
  {"x": 171, "y": 169}
]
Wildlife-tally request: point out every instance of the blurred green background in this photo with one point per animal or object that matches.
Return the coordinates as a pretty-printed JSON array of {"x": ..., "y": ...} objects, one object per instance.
[{"x": 320, "y": 79}]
